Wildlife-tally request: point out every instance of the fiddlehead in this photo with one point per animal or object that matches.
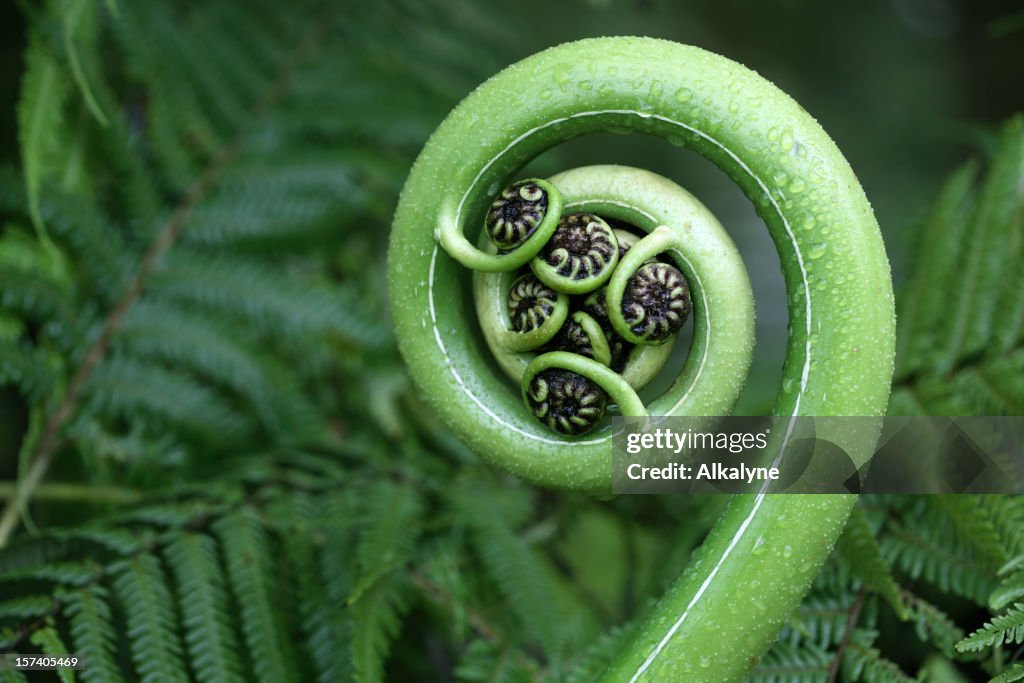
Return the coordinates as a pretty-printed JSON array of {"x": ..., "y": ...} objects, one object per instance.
[
  {"x": 759, "y": 559},
  {"x": 519, "y": 211},
  {"x": 580, "y": 256}
]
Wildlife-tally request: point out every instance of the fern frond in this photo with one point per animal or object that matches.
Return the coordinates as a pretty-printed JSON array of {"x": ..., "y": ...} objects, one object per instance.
[
  {"x": 204, "y": 605},
  {"x": 1008, "y": 628},
  {"x": 376, "y": 619},
  {"x": 248, "y": 561},
  {"x": 863, "y": 662},
  {"x": 928, "y": 544},
  {"x": 140, "y": 584},
  {"x": 79, "y": 30},
  {"x": 484, "y": 662},
  {"x": 40, "y": 113},
  {"x": 859, "y": 547},
  {"x": 931, "y": 624},
  {"x": 820, "y": 621},
  {"x": 310, "y": 525},
  {"x": 27, "y": 607},
  {"x": 787, "y": 663},
  {"x": 92, "y": 632},
  {"x": 390, "y": 525},
  {"x": 123, "y": 388},
  {"x": 593, "y": 660},
  {"x": 513, "y": 565},
  {"x": 953, "y": 352},
  {"x": 1014, "y": 673},
  {"x": 1010, "y": 590},
  {"x": 50, "y": 642}
]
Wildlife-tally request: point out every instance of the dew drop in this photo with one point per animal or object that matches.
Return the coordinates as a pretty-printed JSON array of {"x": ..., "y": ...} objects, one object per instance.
[
  {"x": 817, "y": 251},
  {"x": 684, "y": 95}
]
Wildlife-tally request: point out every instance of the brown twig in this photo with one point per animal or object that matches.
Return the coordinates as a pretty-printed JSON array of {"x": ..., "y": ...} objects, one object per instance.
[{"x": 851, "y": 623}]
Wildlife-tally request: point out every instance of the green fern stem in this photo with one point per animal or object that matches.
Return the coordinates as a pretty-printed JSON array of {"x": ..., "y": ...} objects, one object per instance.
[{"x": 728, "y": 606}]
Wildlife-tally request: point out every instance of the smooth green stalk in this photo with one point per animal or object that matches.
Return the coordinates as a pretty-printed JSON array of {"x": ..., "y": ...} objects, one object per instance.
[{"x": 726, "y": 609}]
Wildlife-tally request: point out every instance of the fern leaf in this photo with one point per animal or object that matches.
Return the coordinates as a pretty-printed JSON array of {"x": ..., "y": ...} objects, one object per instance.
[
  {"x": 205, "y": 610},
  {"x": 820, "y": 621},
  {"x": 79, "y": 20},
  {"x": 950, "y": 350},
  {"x": 248, "y": 561},
  {"x": 92, "y": 632},
  {"x": 485, "y": 662},
  {"x": 50, "y": 643},
  {"x": 932, "y": 625},
  {"x": 995, "y": 231},
  {"x": 141, "y": 586},
  {"x": 787, "y": 663},
  {"x": 1008, "y": 628},
  {"x": 122, "y": 388},
  {"x": 26, "y": 607},
  {"x": 272, "y": 301},
  {"x": 515, "y": 567},
  {"x": 40, "y": 115},
  {"x": 860, "y": 549},
  {"x": 376, "y": 620},
  {"x": 306, "y": 526},
  {"x": 973, "y": 523},
  {"x": 388, "y": 532},
  {"x": 863, "y": 662},
  {"x": 1014, "y": 673},
  {"x": 1010, "y": 590},
  {"x": 596, "y": 657}
]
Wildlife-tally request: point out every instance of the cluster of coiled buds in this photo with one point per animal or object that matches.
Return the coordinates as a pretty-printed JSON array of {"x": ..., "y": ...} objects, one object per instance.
[{"x": 559, "y": 302}]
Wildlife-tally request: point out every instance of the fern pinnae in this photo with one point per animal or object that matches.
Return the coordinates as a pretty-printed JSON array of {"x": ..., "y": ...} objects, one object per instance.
[
  {"x": 1007, "y": 628},
  {"x": 390, "y": 526},
  {"x": 79, "y": 33},
  {"x": 376, "y": 621},
  {"x": 862, "y": 661},
  {"x": 997, "y": 231},
  {"x": 983, "y": 259},
  {"x": 975, "y": 526},
  {"x": 860, "y": 549},
  {"x": 49, "y": 642},
  {"x": 786, "y": 663},
  {"x": 204, "y": 605},
  {"x": 931, "y": 624},
  {"x": 39, "y": 119},
  {"x": 306, "y": 528},
  {"x": 510, "y": 562},
  {"x": 248, "y": 559},
  {"x": 1011, "y": 675},
  {"x": 92, "y": 632},
  {"x": 123, "y": 387},
  {"x": 142, "y": 587}
]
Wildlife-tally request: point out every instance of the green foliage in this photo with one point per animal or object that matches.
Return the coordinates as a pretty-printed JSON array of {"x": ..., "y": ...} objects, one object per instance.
[
  {"x": 1008, "y": 628},
  {"x": 960, "y": 347},
  {"x": 192, "y": 309}
]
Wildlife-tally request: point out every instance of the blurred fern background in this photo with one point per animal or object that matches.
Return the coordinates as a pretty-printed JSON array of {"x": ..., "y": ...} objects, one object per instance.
[{"x": 212, "y": 463}]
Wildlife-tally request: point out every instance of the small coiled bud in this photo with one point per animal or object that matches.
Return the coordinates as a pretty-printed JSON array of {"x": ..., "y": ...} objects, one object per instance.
[
  {"x": 516, "y": 213},
  {"x": 582, "y": 334},
  {"x": 530, "y": 303},
  {"x": 656, "y": 302},
  {"x": 580, "y": 256},
  {"x": 565, "y": 401}
]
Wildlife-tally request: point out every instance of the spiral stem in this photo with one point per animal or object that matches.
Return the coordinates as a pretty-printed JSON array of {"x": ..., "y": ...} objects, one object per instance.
[{"x": 757, "y": 563}]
